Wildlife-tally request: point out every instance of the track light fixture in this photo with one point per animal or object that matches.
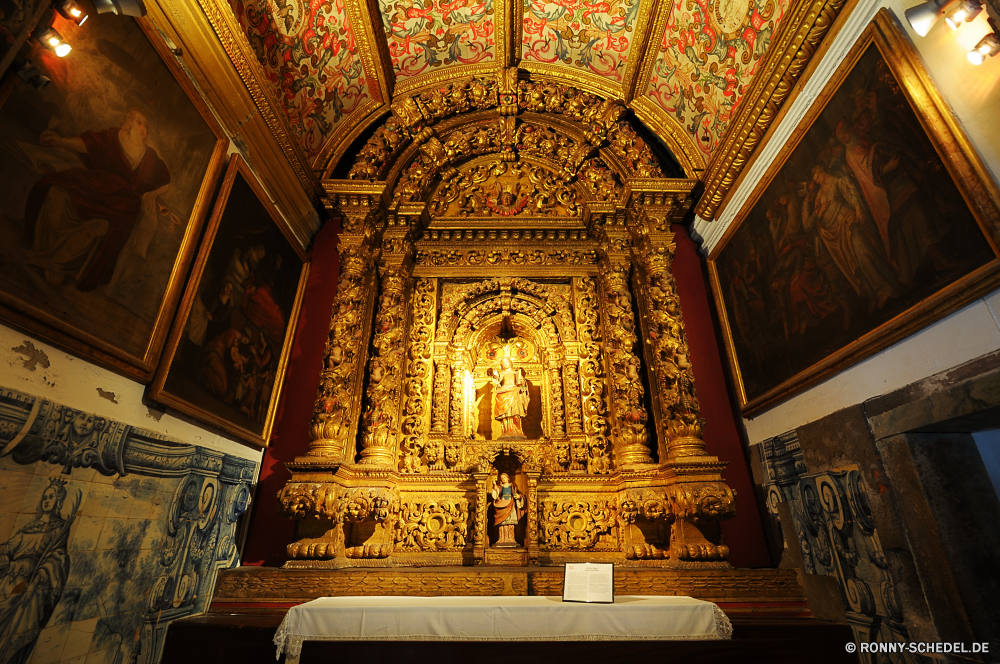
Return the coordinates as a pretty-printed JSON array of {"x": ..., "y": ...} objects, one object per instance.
[
  {"x": 29, "y": 73},
  {"x": 963, "y": 12},
  {"x": 71, "y": 11},
  {"x": 126, "y": 7},
  {"x": 988, "y": 46},
  {"x": 922, "y": 17},
  {"x": 52, "y": 40}
]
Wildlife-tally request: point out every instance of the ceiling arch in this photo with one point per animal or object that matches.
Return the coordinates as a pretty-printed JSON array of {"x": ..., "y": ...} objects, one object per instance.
[{"x": 682, "y": 66}]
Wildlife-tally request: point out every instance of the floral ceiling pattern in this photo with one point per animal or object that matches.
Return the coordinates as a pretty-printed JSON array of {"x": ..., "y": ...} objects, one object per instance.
[
  {"x": 425, "y": 35},
  {"x": 310, "y": 55},
  {"x": 702, "y": 62},
  {"x": 708, "y": 55},
  {"x": 594, "y": 36}
]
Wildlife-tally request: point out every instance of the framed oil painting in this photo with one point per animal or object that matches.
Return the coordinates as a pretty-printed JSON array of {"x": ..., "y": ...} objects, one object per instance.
[
  {"x": 229, "y": 346},
  {"x": 876, "y": 219},
  {"x": 105, "y": 177}
]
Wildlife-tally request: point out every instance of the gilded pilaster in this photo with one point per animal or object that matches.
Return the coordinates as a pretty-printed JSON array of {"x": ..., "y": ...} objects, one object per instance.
[
  {"x": 334, "y": 425},
  {"x": 385, "y": 369},
  {"x": 628, "y": 413}
]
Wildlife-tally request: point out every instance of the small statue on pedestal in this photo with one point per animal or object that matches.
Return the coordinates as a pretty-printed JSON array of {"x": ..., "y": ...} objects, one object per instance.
[
  {"x": 509, "y": 507},
  {"x": 511, "y": 401}
]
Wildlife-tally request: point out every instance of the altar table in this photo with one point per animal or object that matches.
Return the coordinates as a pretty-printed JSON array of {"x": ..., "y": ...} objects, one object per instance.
[{"x": 630, "y": 618}]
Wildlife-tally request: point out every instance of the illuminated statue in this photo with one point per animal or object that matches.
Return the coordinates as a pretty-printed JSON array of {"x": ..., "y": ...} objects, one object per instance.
[
  {"x": 509, "y": 505},
  {"x": 511, "y": 401}
]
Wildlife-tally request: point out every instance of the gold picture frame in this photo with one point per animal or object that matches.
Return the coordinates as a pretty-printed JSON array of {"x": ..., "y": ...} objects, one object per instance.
[
  {"x": 878, "y": 268},
  {"x": 51, "y": 308},
  {"x": 223, "y": 363}
]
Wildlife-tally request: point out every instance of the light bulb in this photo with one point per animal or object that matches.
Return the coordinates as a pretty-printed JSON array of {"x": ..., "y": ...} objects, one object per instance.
[
  {"x": 922, "y": 17},
  {"x": 965, "y": 12},
  {"x": 62, "y": 50},
  {"x": 988, "y": 46}
]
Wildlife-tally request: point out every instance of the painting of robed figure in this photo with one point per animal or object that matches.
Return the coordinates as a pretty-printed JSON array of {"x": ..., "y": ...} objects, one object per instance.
[
  {"x": 876, "y": 220},
  {"x": 106, "y": 174},
  {"x": 227, "y": 351}
]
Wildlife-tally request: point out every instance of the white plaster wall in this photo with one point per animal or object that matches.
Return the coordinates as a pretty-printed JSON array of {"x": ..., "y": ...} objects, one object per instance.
[
  {"x": 974, "y": 96},
  {"x": 75, "y": 382}
]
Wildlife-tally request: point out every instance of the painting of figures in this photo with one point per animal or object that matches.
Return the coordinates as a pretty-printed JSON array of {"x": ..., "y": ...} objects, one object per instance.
[
  {"x": 863, "y": 227},
  {"x": 105, "y": 174},
  {"x": 226, "y": 354}
]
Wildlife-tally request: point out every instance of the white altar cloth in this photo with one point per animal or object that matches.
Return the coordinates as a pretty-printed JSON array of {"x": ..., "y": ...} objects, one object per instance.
[{"x": 631, "y": 617}]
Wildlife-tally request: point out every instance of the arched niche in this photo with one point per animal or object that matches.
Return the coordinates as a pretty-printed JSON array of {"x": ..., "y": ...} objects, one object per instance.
[{"x": 506, "y": 316}]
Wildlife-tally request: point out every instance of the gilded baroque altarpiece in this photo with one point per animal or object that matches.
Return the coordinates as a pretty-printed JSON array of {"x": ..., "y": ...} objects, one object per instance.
[{"x": 507, "y": 378}]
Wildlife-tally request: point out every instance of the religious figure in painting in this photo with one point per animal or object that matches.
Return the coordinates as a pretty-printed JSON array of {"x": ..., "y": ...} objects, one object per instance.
[
  {"x": 34, "y": 563},
  {"x": 511, "y": 399},
  {"x": 509, "y": 507},
  {"x": 78, "y": 221},
  {"x": 835, "y": 208}
]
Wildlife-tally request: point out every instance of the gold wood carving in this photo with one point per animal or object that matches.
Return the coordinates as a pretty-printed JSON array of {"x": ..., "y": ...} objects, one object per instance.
[
  {"x": 434, "y": 525},
  {"x": 283, "y": 586},
  {"x": 381, "y": 416},
  {"x": 334, "y": 425},
  {"x": 505, "y": 342},
  {"x": 799, "y": 36},
  {"x": 501, "y": 189},
  {"x": 578, "y": 524},
  {"x": 418, "y": 373},
  {"x": 628, "y": 433}
]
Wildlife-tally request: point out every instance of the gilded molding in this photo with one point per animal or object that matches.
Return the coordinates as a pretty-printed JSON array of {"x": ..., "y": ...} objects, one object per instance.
[{"x": 235, "y": 43}]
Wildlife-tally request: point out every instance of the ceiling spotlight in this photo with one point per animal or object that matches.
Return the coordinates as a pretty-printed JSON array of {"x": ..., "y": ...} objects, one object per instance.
[
  {"x": 71, "y": 11},
  {"x": 126, "y": 7},
  {"x": 964, "y": 12},
  {"x": 922, "y": 17},
  {"x": 987, "y": 46},
  {"x": 54, "y": 41},
  {"x": 29, "y": 73}
]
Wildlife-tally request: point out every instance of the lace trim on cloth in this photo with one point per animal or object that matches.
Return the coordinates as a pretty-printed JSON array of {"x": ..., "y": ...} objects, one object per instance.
[
  {"x": 723, "y": 628},
  {"x": 291, "y": 644}
]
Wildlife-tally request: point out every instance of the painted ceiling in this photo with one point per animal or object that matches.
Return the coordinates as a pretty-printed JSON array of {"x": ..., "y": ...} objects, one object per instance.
[{"x": 683, "y": 66}]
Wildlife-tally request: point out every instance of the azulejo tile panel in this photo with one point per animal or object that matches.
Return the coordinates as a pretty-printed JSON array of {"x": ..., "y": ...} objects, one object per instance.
[
  {"x": 708, "y": 54},
  {"x": 837, "y": 533},
  {"x": 425, "y": 35},
  {"x": 309, "y": 53},
  {"x": 594, "y": 36},
  {"x": 108, "y": 533}
]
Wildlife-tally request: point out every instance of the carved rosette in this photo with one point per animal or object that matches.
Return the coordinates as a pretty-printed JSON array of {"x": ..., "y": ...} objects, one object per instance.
[
  {"x": 432, "y": 525},
  {"x": 628, "y": 412},
  {"x": 586, "y": 525},
  {"x": 418, "y": 372}
]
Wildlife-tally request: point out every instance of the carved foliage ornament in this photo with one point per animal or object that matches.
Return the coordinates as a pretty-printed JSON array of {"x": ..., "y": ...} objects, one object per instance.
[{"x": 601, "y": 122}]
